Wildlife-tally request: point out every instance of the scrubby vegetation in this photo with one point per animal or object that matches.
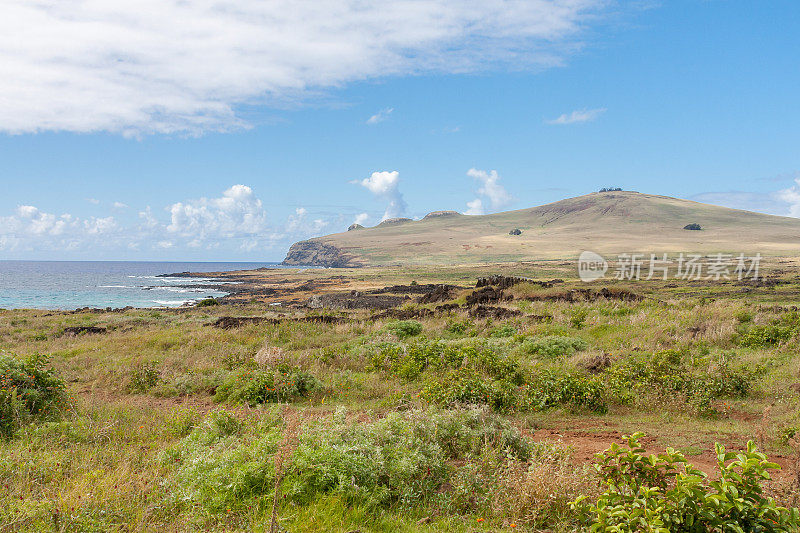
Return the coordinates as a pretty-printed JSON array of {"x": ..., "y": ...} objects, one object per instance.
[
  {"x": 416, "y": 420},
  {"x": 29, "y": 391}
]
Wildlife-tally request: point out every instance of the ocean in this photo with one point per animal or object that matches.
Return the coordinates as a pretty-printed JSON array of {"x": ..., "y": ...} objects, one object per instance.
[{"x": 74, "y": 284}]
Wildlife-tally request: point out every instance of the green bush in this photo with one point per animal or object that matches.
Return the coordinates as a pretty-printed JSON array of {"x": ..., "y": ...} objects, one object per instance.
[
  {"x": 217, "y": 469},
  {"x": 458, "y": 327},
  {"x": 698, "y": 381},
  {"x": 28, "y": 391},
  {"x": 779, "y": 330},
  {"x": 405, "y": 328},
  {"x": 665, "y": 494},
  {"x": 144, "y": 377},
  {"x": 256, "y": 386},
  {"x": 506, "y": 330},
  {"x": 402, "y": 460},
  {"x": 554, "y": 346},
  {"x": 578, "y": 318},
  {"x": 207, "y": 302}
]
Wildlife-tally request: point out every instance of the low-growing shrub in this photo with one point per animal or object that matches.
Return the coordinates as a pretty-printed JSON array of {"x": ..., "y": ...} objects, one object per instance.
[
  {"x": 697, "y": 381},
  {"x": 765, "y": 335},
  {"x": 218, "y": 470},
  {"x": 256, "y": 386},
  {"x": 664, "y": 493},
  {"x": 555, "y": 346},
  {"x": 405, "y": 328},
  {"x": 207, "y": 302},
  {"x": 506, "y": 330},
  {"x": 458, "y": 327},
  {"x": 403, "y": 460},
  {"x": 144, "y": 377},
  {"x": 29, "y": 390}
]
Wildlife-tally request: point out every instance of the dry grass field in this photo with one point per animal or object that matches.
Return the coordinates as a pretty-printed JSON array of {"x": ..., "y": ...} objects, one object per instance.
[
  {"x": 607, "y": 223},
  {"x": 470, "y": 417}
]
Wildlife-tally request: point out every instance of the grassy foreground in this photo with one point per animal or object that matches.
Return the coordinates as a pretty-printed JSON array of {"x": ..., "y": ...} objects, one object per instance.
[{"x": 440, "y": 423}]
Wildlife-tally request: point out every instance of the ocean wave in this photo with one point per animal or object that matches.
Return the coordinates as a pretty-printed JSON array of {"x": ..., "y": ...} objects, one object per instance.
[{"x": 171, "y": 302}]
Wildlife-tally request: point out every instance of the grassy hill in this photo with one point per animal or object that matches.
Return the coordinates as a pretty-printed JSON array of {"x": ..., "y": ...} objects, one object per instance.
[{"x": 606, "y": 222}]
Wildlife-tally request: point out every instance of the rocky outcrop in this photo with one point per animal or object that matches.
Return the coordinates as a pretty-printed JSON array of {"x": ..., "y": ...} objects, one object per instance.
[
  {"x": 317, "y": 253},
  {"x": 394, "y": 221},
  {"x": 440, "y": 214},
  {"x": 355, "y": 226}
]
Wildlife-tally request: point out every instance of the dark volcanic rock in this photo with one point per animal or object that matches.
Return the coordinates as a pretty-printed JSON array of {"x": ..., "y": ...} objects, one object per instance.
[
  {"x": 515, "y": 231},
  {"x": 487, "y": 311},
  {"x": 577, "y": 295},
  {"x": 83, "y": 330},
  {"x": 487, "y": 295},
  {"x": 317, "y": 253},
  {"x": 404, "y": 314},
  {"x": 230, "y": 322},
  {"x": 502, "y": 282},
  {"x": 440, "y": 293},
  {"x": 355, "y": 226}
]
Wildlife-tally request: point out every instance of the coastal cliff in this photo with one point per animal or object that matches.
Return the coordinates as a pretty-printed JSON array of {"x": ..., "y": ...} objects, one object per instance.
[{"x": 317, "y": 253}]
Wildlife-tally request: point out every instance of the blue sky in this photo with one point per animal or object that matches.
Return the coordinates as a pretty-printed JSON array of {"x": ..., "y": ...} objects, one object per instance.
[{"x": 116, "y": 144}]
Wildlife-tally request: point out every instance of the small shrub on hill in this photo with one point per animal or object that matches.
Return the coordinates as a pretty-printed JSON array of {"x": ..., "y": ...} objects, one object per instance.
[
  {"x": 29, "y": 390},
  {"x": 219, "y": 470},
  {"x": 255, "y": 386},
  {"x": 402, "y": 460},
  {"x": 405, "y": 328},
  {"x": 699, "y": 382},
  {"x": 664, "y": 493},
  {"x": 779, "y": 330},
  {"x": 555, "y": 346}
]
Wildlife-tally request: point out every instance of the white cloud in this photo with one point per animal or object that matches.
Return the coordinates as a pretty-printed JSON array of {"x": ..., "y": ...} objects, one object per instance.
[
  {"x": 475, "y": 207},
  {"x": 380, "y": 116},
  {"x": 581, "y": 115},
  {"x": 94, "y": 201},
  {"x": 235, "y": 221},
  {"x": 384, "y": 185},
  {"x": 361, "y": 218},
  {"x": 185, "y": 66},
  {"x": 236, "y": 214},
  {"x": 98, "y": 226},
  {"x": 491, "y": 189},
  {"x": 791, "y": 196},
  {"x": 120, "y": 205},
  {"x": 299, "y": 224}
]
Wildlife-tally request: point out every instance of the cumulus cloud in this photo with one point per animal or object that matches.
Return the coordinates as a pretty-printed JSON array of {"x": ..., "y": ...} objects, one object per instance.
[
  {"x": 578, "y": 116},
  {"x": 186, "y": 66},
  {"x": 235, "y": 221},
  {"x": 380, "y": 116},
  {"x": 300, "y": 223},
  {"x": 236, "y": 214},
  {"x": 791, "y": 196},
  {"x": 475, "y": 207},
  {"x": 384, "y": 185},
  {"x": 490, "y": 189},
  {"x": 120, "y": 205},
  {"x": 361, "y": 218}
]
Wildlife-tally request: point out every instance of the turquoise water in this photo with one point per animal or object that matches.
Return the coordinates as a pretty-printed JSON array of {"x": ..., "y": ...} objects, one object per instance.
[{"x": 74, "y": 284}]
